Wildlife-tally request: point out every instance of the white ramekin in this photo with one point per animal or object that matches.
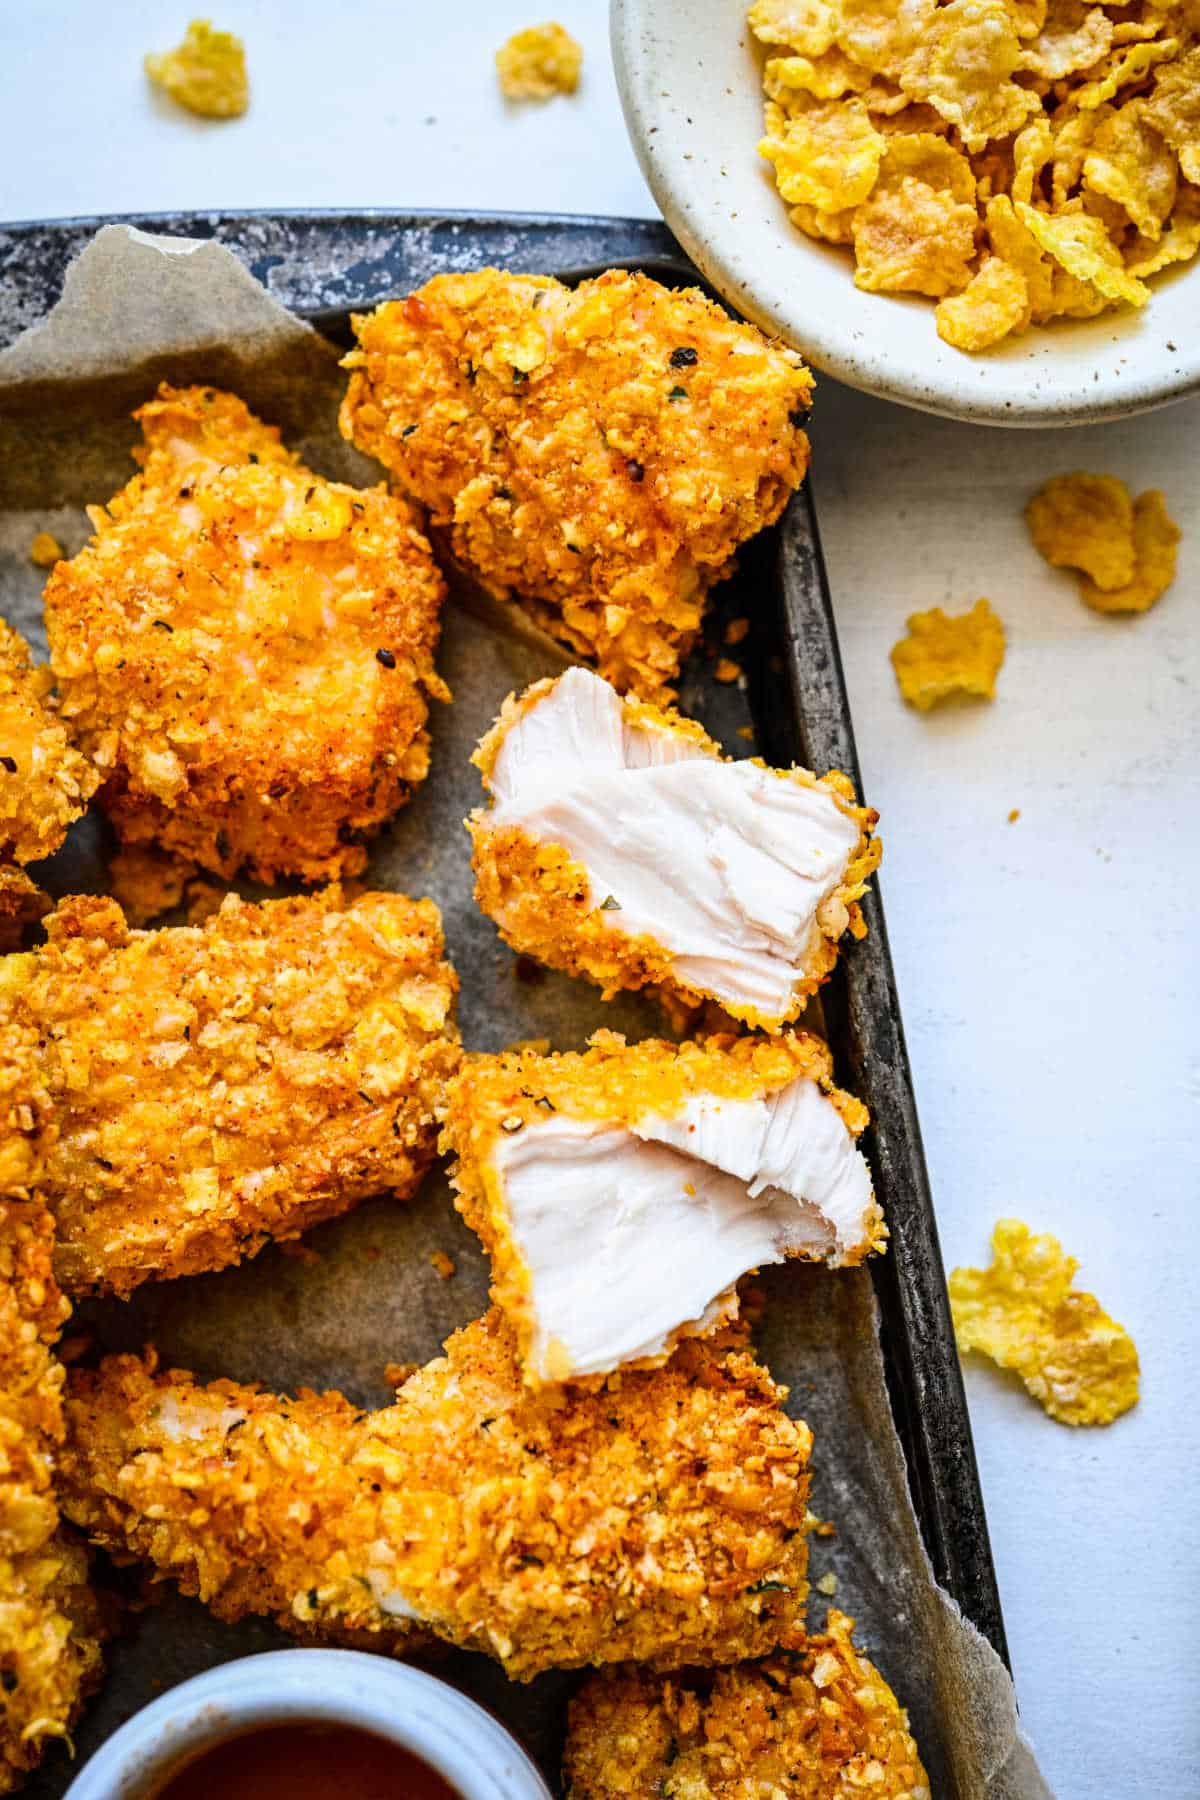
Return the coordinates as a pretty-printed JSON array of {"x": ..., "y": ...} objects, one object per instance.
[{"x": 466, "y": 1745}]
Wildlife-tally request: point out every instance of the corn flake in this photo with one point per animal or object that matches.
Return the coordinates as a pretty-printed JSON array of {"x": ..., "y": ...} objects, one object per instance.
[
  {"x": 806, "y": 25},
  {"x": 1024, "y": 1312},
  {"x": 913, "y": 238},
  {"x": 1129, "y": 66},
  {"x": 1086, "y": 251},
  {"x": 539, "y": 62},
  {"x": 206, "y": 73},
  {"x": 1179, "y": 241},
  {"x": 825, "y": 77},
  {"x": 946, "y": 654},
  {"x": 994, "y": 303},
  {"x": 827, "y": 157},
  {"x": 45, "y": 550},
  {"x": 962, "y": 66},
  {"x": 1155, "y": 542},
  {"x": 1083, "y": 521},
  {"x": 1131, "y": 165},
  {"x": 1173, "y": 108},
  {"x": 830, "y": 227},
  {"x": 1032, "y": 150},
  {"x": 1072, "y": 38},
  {"x": 882, "y": 34}
]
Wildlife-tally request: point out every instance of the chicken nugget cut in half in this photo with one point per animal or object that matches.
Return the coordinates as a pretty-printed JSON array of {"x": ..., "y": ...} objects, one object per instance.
[
  {"x": 658, "y": 1518},
  {"x": 621, "y": 845},
  {"x": 623, "y": 1191},
  {"x": 193, "y": 1092},
  {"x": 246, "y": 649},
  {"x": 598, "y": 453},
  {"x": 818, "y": 1723},
  {"x": 45, "y": 783},
  {"x": 49, "y": 1620}
]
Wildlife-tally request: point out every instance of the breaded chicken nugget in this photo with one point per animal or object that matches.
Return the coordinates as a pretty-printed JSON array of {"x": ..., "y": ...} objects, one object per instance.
[
  {"x": 660, "y": 1517},
  {"x": 599, "y": 452},
  {"x": 45, "y": 782},
  {"x": 49, "y": 1623},
  {"x": 190, "y": 1093},
  {"x": 816, "y": 1724},
  {"x": 621, "y": 1193},
  {"x": 245, "y": 649},
  {"x": 621, "y": 845}
]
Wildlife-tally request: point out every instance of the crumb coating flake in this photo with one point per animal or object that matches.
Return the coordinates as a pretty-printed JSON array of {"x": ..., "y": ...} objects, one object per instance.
[
  {"x": 45, "y": 782},
  {"x": 946, "y": 655},
  {"x": 815, "y": 1724},
  {"x": 196, "y": 1091},
  {"x": 537, "y": 893},
  {"x": 612, "y": 1083},
  {"x": 1027, "y": 1316},
  {"x": 49, "y": 1649},
  {"x": 539, "y": 62},
  {"x": 206, "y": 73},
  {"x": 660, "y": 1517},
  {"x": 245, "y": 649},
  {"x": 599, "y": 452}
]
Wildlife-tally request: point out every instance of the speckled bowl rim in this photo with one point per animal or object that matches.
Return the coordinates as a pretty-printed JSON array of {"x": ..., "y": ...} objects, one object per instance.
[{"x": 693, "y": 110}]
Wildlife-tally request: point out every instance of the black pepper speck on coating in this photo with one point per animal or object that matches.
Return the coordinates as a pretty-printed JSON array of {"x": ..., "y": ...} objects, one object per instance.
[{"x": 386, "y": 658}]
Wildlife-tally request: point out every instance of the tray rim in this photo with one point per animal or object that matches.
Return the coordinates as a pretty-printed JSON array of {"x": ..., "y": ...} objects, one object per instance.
[{"x": 931, "y": 1417}]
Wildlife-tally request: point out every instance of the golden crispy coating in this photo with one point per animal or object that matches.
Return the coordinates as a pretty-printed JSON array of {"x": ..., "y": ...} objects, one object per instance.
[
  {"x": 192, "y": 1092},
  {"x": 246, "y": 649},
  {"x": 599, "y": 452},
  {"x": 542, "y": 899},
  {"x": 44, "y": 781},
  {"x": 816, "y": 1724},
  {"x": 49, "y": 1630},
  {"x": 660, "y": 1517},
  {"x": 492, "y": 1099}
]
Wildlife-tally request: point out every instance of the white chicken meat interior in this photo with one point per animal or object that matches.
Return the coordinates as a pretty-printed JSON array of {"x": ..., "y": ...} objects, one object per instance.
[{"x": 724, "y": 864}]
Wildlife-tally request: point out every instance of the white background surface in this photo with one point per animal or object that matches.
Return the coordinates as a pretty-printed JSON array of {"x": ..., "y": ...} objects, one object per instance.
[{"x": 1048, "y": 968}]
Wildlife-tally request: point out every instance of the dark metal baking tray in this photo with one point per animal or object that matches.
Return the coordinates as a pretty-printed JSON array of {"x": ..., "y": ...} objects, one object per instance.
[{"x": 322, "y": 265}]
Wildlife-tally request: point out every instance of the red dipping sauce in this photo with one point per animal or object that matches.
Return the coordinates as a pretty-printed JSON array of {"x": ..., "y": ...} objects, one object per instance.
[{"x": 304, "y": 1761}]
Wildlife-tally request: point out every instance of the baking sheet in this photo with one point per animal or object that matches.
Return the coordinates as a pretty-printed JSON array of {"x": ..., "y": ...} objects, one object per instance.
[{"x": 363, "y": 1293}]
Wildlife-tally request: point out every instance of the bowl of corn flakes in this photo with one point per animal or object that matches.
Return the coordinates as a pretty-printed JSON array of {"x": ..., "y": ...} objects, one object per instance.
[{"x": 988, "y": 209}]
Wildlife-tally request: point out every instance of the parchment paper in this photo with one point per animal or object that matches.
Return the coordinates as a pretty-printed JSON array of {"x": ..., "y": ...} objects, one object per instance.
[{"x": 363, "y": 1293}]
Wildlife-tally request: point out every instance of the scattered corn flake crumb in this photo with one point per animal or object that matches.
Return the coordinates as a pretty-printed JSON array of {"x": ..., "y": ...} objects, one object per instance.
[
  {"x": 45, "y": 550},
  {"x": 822, "y": 1528},
  {"x": 1014, "y": 815},
  {"x": 539, "y": 62},
  {"x": 828, "y": 1584},
  {"x": 736, "y": 630},
  {"x": 949, "y": 653},
  {"x": 444, "y": 1265},
  {"x": 727, "y": 670},
  {"x": 1083, "y": 521},
  {"x": 747, "y": 732},
  {"x": 1024, "y": 1313},
  {"x": 1155, "y": 543},
  {"x": 397, "y": 1373},
  {"x": 206, "y": 73}
]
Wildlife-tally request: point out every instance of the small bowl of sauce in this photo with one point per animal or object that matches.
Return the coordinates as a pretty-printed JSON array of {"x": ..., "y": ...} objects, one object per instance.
[
  {"x": 305, "y": 1761},
  {"x": 311, "y": 1725}
]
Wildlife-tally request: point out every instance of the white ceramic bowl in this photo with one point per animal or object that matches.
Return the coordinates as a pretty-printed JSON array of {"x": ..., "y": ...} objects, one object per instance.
[
  {"x": 689, "y": 73},
  {"x": 465, "y": 1744}
]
